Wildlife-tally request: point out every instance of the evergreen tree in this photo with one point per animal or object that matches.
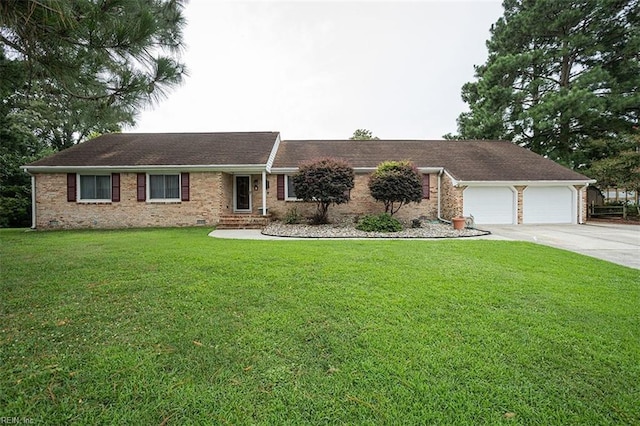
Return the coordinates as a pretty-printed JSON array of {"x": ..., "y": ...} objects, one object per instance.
[
  {"x": 73, "y": 68},
  {"x": 621, "y": 170},
  {"x": 117, "y": 54},
  {"x": 559, "y": 75}
]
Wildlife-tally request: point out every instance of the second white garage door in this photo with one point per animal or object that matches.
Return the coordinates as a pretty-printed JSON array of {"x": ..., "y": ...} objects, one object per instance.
[
  {"x": 490, "y": 204},
  {"x": 548, "y": 204}
]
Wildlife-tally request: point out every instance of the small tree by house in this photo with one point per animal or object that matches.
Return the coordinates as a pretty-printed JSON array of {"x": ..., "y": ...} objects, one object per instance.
[
  {"x": 325, "y": 181},
  {"x": 396, "y": 183}
]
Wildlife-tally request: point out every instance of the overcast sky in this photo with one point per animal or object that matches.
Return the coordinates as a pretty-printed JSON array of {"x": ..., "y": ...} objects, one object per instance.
[{"x": 315, "y": 70}]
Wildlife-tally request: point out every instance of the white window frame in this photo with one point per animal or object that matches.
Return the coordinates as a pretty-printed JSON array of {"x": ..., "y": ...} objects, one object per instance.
[
  {"x": 79, "y": 198},
  {"x": 286, "y": 190},
  {"x": 164, "y": 200}
]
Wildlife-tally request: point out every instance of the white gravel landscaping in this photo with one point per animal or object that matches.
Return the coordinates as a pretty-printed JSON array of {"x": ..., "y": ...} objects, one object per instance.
[{"x": 348, "y": 230}]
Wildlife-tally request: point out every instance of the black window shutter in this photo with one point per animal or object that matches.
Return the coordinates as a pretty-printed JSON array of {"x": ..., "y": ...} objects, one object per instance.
[
  {"x": 115, "y": 187},
  {"x": 425, "y": 187},
  {"x": 142, "y": 187},
  {"x": 280, "y": 188},
  {"x": 71, "y": 187},
  {"x": 184, "y": 178}
]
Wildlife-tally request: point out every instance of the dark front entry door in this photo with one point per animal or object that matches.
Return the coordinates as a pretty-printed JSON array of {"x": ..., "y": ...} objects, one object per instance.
[{"x": 243, "y": 193}]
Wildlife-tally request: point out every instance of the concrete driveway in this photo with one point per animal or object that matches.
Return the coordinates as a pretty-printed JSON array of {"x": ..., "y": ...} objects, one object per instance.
[{"x": 616, "y": 243}]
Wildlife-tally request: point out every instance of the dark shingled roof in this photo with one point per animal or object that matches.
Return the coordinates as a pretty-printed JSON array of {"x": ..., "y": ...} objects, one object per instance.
[
  {"x": 167, "y": 149},
  {"x": 464, "y": 160}
]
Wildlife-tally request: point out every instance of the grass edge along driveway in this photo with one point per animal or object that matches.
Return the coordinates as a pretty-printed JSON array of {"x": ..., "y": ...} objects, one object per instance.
[{"x": 170, "y": 326}]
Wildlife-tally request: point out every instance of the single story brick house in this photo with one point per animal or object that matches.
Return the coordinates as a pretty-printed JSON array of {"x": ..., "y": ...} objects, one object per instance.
[{"x": 187, "y": 179}]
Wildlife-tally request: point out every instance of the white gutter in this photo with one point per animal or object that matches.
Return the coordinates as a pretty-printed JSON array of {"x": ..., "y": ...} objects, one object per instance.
[
  {"x": 149, "y": 168},
  {"x": 282, "y": 170},
  {"x": 425, "y": 170},
  {"x": 454, "y": 181},
  {"x": 33, "y": 202},
  {"x": 439, "y": 215},
  {"x": 521, "y": 182},
  {"x": 270, "y": 160},
  {"x": 272, "y": 155}
]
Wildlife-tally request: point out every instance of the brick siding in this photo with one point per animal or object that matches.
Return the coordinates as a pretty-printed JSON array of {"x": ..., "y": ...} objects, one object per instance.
[
  {"x": 520, "y": 189},
  {"x": 360, "y": 204},
  {"x": 53, "y": 211},
  {"x": 211, "y": 195},
  {"x": 582, "y": 198},
  {"x": 450, "y": 198}
]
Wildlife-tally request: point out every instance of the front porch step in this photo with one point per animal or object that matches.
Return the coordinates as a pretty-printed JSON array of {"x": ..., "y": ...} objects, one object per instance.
[{"x": 243, "y": 221}]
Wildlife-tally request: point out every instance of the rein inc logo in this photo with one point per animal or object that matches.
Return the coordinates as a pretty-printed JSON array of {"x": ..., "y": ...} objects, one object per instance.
[{"x": 16, "y": 421}]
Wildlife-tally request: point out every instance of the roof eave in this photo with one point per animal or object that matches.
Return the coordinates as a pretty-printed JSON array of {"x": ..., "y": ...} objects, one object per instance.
[
  {"x": 149, "y": 168},
  {"x": 280, "y": 170},
  {"x": 273, "y": 153},
  {"x": 558, "y": 182}
]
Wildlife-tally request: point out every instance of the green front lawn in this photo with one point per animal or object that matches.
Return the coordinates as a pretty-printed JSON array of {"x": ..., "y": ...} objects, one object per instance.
[{"x": 171, "y": 327}]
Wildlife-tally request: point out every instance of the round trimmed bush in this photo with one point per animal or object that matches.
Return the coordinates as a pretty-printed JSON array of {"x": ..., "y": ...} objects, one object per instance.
[{"x": 379, "y": 223}]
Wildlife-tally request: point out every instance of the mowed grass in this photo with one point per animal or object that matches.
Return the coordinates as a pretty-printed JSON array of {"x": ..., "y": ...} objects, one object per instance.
[{"x": 173, "y": 327}]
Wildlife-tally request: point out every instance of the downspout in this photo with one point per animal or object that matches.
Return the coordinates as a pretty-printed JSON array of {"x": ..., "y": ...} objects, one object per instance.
[
  {"x": 33, "y": 201},
  {"x": 439, "y": 188},
  {"x": 264, "y": 193}
]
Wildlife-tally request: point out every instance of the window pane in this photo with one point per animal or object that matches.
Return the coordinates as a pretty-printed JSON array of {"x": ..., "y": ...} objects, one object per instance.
[
  {"x": 156, "y": 186},
  {"x": 172, "y": 189},
  {"x": 94, "y": 187},
  {"x": 291, "y": 193},
  {"x": 162, "y": 187},
  {"x": 87, "y": 187},
  {"x": 103, "y": 187}
]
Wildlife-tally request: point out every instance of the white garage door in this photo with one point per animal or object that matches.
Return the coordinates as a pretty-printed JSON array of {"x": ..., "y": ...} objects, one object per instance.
[
  {"x": 490, "y": 204},
  {"x": 548, "y": 204}
]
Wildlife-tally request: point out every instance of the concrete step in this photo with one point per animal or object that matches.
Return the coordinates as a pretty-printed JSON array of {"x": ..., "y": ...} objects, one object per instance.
[{"x": 239, "y": 221}]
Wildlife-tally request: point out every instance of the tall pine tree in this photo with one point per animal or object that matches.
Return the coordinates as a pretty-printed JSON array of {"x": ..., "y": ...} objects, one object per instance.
[
  {"x": 72, "y": 68},
  {"x": 559, "y": 75}
]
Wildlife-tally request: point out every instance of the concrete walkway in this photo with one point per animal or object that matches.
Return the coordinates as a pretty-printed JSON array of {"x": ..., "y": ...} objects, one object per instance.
[{"x": 612, "y": 242}]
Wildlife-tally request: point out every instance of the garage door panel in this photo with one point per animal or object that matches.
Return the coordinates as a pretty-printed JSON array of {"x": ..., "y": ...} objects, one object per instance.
[
  {"x": 489, "y": 205},
  {"x": 547, "y": 205}
]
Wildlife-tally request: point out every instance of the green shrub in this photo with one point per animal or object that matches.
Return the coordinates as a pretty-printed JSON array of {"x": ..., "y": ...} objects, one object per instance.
[
  {"x": 292, "y": 216},
  {"x": 380, "y": 223}
]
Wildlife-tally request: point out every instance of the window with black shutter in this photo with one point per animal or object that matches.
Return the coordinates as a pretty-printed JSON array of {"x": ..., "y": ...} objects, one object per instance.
[
  {"x": 184, "y": 181},
  {"x": 425, "y": 187},
  {"x": 115, "y": 187},
  {"x": 280, "y": 189},
  {"x": 71, "y": 187},
  {"x": 142, "y": 187}
]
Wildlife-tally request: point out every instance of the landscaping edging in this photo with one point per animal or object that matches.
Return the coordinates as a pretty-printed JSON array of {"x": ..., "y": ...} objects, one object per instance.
[{"x": 348, "y": 230}]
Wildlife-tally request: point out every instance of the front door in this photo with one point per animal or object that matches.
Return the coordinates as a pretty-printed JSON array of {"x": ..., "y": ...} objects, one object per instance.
[{"x": 242, "y": 199}]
